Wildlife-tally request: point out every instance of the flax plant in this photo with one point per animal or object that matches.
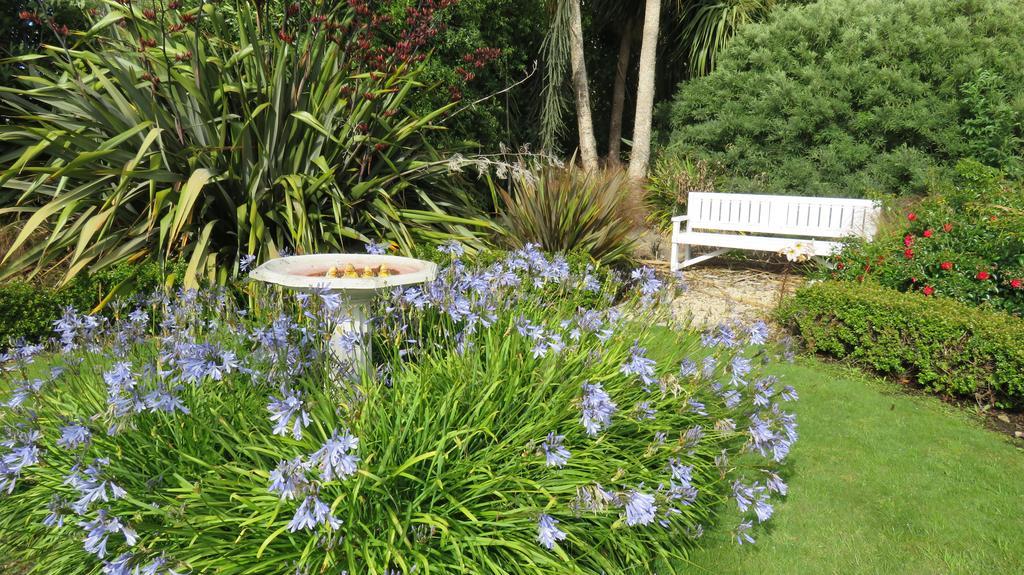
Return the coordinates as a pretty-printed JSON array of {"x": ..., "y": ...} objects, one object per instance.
[{"x": 215, "y": 132}]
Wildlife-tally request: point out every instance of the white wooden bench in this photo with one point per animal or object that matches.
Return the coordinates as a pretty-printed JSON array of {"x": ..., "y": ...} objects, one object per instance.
[{"x": 769, "y": 223}]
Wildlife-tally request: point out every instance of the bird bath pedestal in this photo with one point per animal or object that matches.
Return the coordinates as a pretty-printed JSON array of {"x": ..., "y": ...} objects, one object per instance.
[{"x": 311, "y": 272}]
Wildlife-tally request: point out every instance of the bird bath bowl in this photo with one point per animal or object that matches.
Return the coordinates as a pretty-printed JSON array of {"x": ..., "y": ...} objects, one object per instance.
[{"x": 356, "y": 277}]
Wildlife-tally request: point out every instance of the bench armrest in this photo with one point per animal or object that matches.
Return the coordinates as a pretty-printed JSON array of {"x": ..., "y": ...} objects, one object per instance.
[{"x": 676, "y": 227}]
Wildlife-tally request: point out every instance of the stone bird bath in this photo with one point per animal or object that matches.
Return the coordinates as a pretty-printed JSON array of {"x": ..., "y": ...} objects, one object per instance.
[{"x": 356, "y": 277}]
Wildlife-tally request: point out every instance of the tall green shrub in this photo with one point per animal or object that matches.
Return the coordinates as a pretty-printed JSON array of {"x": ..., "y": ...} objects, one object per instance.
[{"x": 850, "y": 97}]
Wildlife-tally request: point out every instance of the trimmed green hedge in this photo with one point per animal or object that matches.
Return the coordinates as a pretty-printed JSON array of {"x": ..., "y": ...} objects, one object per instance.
[
  {"x": 28, "y": 310},
  {"x": 945, "y": 346}
]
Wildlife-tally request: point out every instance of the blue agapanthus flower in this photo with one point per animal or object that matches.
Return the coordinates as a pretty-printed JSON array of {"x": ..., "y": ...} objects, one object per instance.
[
  {"x": 120, "y": 565},
  {"x": 452, "y": 247},
  {"x": 740, "y": 367},
  {"x": 758, "y": 333},
  {"x": 288, "y": 480},
  {"x": 93, "y": 486},
  {"x": 288, "y": 413},
  {"x": 640, "y": 508},
  {"x": 547, "y": 531},
  {"x": 245, "y": 262},
  {"x": 73, "y": 435},
  {"x": 377, "y": 248},
  {"x": 597, "y": 408},
  {"x": 99, "y": 530},
  {"x": 742, "y": 532},
  {"x": 687, "y": 368},
  {"x": 640, "y": 366},
  {"x": 311, "y": 513},
  {"x": 555, "y": 455},
  {"x": 336, "y": 459}
]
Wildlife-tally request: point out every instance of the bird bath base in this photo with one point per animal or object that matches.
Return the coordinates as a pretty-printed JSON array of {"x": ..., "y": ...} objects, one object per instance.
[{"x": 311, "y": 272}]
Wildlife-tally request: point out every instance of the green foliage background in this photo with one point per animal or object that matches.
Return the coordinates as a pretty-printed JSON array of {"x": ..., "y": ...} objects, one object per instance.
[
  {"x": 854, "y": 97},
  {"x": 517, "y": 28}
]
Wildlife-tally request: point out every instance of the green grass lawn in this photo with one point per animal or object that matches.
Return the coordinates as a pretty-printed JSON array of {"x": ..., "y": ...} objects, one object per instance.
[{"x": 884, "y": 482}]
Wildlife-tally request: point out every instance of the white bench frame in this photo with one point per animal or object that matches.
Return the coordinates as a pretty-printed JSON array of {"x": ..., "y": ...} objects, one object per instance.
[{"x": 769, "y": 223}]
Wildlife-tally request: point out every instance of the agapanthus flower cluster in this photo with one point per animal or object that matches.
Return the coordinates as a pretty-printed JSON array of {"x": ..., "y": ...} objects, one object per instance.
[
  {"x": 598, "y": 427},
  {"x": 290, "y": 480},
  {"x": 641, "y": 366},
  {"x": 75, "y": 329},
  {"x": 597, "y": 408}
]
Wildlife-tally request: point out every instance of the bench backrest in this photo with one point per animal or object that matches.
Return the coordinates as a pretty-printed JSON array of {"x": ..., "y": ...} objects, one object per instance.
[{"x": 783, "y": 215}]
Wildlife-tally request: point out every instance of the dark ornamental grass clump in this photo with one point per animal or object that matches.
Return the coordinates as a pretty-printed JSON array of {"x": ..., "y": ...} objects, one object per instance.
[{"x": 512, "y": 422}]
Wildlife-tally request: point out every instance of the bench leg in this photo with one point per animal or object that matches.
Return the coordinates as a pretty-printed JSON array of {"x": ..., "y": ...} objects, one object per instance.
[
  {"x": 689, "y": 262},
  {"x": 673, "y": 262}
]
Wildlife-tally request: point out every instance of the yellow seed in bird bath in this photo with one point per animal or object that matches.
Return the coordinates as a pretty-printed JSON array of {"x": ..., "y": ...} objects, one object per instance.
[
  {"x": 367, "y": 272},
  {"x": 350, "y": 271},
  {"x": 384, "y": 271},
  {"x": 332, "y": 272}
]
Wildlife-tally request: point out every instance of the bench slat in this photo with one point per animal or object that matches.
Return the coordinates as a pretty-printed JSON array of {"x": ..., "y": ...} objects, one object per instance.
[{"x": 756, "y": 243}]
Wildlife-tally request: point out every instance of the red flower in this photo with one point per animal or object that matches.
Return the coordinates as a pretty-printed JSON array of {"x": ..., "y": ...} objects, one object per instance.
[
  {"x": 908, "y": 253},
  {"x": 928, "y": 233},
  {"x": 947, "y": 228},
  {"x": 991, "y": 218},
  {"x": 840, "y": 266},
  {"x": 913, "y": 280},
  {"x": 293, "y": 9},
  {"x": 149, "y": 14},
  {"x": 285, "y": 37},
  {"x": 928, "y": 290},
  {"x": 908, "y": 240},
  {"x": 1016, "y": 283},
  {"x": 946, "y": 266},
  {"x": 983, "y": 275},
  {"x": 911, "y": 216}
]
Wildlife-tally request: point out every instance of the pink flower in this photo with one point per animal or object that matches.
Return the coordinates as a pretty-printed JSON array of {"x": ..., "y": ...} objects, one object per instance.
[
  {"x": 911, "y": 216},
  {"x": 908, "y": 253},
  {"x": 928, "y": 233},
  {"x": 946, "y": 266},
  {"x": 983, "y": 275},
  {"x": 928, "y": 290}
]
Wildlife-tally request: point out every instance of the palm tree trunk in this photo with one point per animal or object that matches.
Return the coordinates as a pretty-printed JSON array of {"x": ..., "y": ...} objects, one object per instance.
[
  {"x": 619, "y": 95},
  {"x": 588, "y": 143},
  {"x": 641, "y": 154}
]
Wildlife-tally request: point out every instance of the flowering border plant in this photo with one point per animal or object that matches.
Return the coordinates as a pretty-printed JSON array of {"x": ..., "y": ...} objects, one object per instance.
[
  {"x": 501, "y": 428},
  {"x": 965, "y": 242}
]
